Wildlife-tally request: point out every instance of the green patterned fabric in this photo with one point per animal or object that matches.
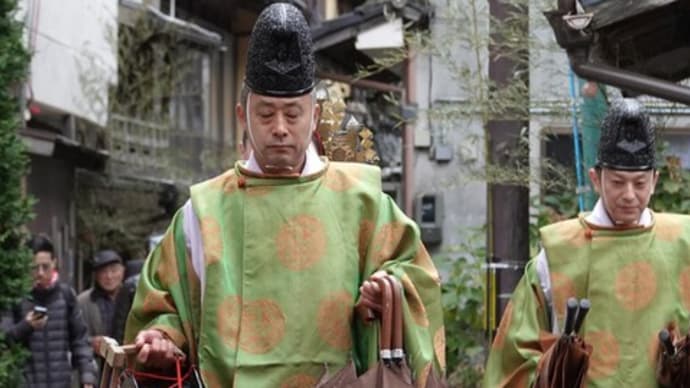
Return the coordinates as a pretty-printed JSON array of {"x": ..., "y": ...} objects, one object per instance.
[
  {"x": 638, "y": 282},
  {"x": 284, "y": 259}
]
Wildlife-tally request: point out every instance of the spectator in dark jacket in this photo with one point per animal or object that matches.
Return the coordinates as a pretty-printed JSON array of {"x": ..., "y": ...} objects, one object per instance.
[
  {"x": 123, "y": 302},
  {"x": 98, "y": 302},
  {"x": 57, "y": 341}
]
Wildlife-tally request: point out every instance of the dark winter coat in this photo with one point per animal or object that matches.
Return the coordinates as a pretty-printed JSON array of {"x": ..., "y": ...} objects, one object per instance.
[
  {"x": 97, "y": 309},
  {"x": 57, "y": 347},
  {"x": 123, "y": 303},
  {"x": 124, "y": 299}
]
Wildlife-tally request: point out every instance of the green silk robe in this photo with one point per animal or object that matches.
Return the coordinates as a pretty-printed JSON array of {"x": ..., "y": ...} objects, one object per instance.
[
  {"x": 283, "y": 262},
  {"x": 638, "y": 282}
]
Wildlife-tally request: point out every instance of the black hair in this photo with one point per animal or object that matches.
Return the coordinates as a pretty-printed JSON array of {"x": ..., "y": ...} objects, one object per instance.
[{"x": 41, "y": 243}]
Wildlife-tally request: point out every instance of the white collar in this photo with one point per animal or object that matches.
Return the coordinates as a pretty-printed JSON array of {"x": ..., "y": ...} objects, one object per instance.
[
  {"x": 312, "y": 164},
  {"x": 600, "y": 217}
]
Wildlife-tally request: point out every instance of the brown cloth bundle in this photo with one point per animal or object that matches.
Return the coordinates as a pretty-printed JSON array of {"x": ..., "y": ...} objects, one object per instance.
[
  {"x": 673, "y": 360},
  {"x": 391, "y": 371},
  {"x": 565, "y": 364}
]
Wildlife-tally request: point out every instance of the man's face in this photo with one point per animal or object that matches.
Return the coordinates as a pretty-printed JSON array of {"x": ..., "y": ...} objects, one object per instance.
[
  {"x": 625, "y": 193},
  {"x": 42, "y": 268},
  {"x": 280, "y": 130},
  {"x": 109, "y": 278}
]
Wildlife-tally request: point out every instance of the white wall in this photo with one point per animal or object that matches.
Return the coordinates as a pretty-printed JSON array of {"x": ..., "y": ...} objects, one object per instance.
[
  {"x": 548, "y": 62},
  {"x": 74, "y": 44},
  {"x": 549, "y": 87},
  {"x": 439, "y": 86}
]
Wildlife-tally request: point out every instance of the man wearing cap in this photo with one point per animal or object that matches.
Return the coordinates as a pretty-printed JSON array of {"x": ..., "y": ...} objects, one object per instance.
[
  {"x": 631, "y": 263},
  {"x": 257, "y": 277},
  {"x": 98, "y": 302}
]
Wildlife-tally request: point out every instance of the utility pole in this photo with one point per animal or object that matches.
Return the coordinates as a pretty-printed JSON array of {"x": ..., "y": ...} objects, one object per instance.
[{"x": 508, "y": 205}]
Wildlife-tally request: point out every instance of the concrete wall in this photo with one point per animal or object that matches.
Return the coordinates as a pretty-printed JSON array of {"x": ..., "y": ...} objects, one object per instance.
[
  {"x": 441, "y": 88},
  {"x": 51, "y": 183},
  {"x": 74, "y": 44}
]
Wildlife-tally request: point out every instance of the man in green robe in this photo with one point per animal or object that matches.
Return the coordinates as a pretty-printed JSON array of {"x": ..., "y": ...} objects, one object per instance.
[
  {"x": 257, "y": 277},
  {"x": 631, "y": 263}
]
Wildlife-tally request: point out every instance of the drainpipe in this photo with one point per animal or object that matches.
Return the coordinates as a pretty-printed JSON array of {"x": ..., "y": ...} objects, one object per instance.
[
  {"x": 576, "y": 143},
  {"x": 628, "y": 80},
  {"x": 408, "y": 137}
]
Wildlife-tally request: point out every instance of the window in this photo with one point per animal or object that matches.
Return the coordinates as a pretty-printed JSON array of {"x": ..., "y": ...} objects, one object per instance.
[{"x": 189, "y": 104}]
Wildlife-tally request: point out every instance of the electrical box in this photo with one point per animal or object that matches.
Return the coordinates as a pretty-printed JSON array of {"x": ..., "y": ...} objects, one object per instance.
[
  {"x": 429, "y": 217},
  {"x": 442, "y": 153}
]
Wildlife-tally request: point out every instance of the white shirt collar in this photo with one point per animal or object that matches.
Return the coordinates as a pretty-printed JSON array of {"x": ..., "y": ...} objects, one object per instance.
[
  {"x": 600, "y": 217},
  {"x": 312, "y": 164}
]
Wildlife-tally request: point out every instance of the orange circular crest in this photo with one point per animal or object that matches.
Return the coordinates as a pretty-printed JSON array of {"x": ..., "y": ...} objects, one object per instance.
[
  {"x": 299, "y": 381},
  {"x": 334, "y": 320},
  {"x": 605, "y": 355},
  {"x": 263, "y": 326},
  {"x": 562, "y": 288},
  {"x": 167, "y": 269},
  {"x": 301, "y": 242},
  {"x": 228, "y": 320},
  {"x": 366, "y": 229},
  {"x": 636, "y": 285},
  {"x": 387, "y": 241},
  {"x": 212, "y": 238},
  {"x": 339, "y": 180},
  {"x": 414, "y": 301}
]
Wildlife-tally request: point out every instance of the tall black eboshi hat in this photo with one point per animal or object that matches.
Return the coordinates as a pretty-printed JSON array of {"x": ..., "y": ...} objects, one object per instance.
[
  {"x": 280, "y": 59},
  {"x": 627, "y": 138}
]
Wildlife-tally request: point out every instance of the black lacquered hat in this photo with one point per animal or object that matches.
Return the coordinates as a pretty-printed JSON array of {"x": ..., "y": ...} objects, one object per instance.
[
  {"x": 627, "y": 138},
  {"x": 280, "y": 59}
]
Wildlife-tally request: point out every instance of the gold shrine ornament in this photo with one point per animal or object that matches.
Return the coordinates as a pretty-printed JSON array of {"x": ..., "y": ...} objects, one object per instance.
[{"x": 344, "y": 138}]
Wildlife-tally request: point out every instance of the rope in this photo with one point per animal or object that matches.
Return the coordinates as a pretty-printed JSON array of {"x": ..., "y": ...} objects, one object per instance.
[
  {"x": 177, "y": 380},
  {"x": 179, "y": 372}
]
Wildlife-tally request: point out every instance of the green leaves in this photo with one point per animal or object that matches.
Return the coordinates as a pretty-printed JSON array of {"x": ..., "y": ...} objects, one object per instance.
[
  {"x": 462, "y": 296},
  {"x": 15, "y": 208},
  {"x": 11, "y": 356},
  {"x": 671, "y": 187},
  {"x": 672, "y": 190}
]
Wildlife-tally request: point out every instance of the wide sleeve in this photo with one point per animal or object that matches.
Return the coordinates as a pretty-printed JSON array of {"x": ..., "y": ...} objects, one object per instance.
[
  {"x": 162, "y": 298},
  {"x": 523, "y": 336},
  {"x": 395, "y": 246}
]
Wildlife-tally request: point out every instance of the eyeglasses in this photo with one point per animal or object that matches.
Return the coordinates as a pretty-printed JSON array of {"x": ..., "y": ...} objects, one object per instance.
[{"x": 45, "y": 267}]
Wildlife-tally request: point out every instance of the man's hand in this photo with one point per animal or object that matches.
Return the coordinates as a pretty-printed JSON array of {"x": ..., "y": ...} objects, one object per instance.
[
  {"x": 370, "y": 292},
  {"x": 155, "y": 350},
  {"x": 88, "y": 386},
  {"x": 35, "y": 321},
  {"x": 96, "y": 343}
]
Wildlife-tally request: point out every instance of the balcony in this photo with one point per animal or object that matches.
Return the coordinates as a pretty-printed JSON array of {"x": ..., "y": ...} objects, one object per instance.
[{"x": 156, "y": 152}]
